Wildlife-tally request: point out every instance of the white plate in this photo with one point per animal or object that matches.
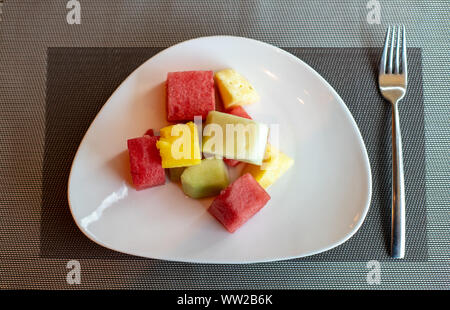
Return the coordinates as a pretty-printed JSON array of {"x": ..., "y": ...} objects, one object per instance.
[{"x": 318, "y": 204}]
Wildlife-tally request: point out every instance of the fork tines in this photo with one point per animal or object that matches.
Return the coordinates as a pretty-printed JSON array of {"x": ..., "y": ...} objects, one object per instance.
[{"x": 395, "y": 36}]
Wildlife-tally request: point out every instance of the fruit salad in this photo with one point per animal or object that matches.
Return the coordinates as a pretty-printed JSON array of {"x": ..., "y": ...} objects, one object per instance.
[{"x": 226, "y": 140}]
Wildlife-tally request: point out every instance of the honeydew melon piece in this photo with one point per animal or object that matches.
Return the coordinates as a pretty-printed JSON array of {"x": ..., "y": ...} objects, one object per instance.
[
  {"x": 235, "y": 137},
  {"x": 238, "y": 111},
  {"x": 206, "y": 179}
]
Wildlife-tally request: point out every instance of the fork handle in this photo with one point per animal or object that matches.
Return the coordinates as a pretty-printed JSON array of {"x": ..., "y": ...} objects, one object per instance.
[{"x": 398, "y": 189}]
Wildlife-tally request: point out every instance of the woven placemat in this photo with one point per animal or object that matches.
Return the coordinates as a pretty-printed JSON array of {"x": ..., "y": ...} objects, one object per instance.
[{"x": 80, "y": 80}]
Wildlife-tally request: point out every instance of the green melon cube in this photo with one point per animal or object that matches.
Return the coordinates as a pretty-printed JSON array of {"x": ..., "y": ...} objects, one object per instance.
[
  {"x": 206, "y": 179},
  {"x": 235, "y": 137}
]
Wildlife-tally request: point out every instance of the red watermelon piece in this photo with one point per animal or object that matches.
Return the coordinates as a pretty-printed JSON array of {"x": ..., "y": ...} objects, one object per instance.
[
  {"x": 238, "y": 111},
  {"x": 237, "y": 203},
  {"x": 189, "y": 94},
  {"x": 145, "y": 162},
  {"x": 149, "y": 132},
  {"x": 231, "y": 162}
]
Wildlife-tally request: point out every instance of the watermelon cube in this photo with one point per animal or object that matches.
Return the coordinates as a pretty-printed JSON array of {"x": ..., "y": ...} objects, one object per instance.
[
  {"x": 238, "y": 111},
  {"x": 189, "y": 94},
  {"x": 145, "y": 162},
  {"x": 237, "y": 203},
  {"x": 231, "y": 162},
  {"x": 149, "y": 132}
]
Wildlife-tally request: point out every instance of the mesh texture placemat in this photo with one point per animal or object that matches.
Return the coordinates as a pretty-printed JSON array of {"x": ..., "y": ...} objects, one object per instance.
[{"x": 80, "y": 80}]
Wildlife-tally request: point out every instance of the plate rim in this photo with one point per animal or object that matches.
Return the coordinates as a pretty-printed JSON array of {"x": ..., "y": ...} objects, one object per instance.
[{"x": 311, "y": 70}]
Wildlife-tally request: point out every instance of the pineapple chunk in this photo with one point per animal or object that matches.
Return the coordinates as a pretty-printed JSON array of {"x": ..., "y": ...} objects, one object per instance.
[
  {"x": 179, "y": 146},
  {"x": 235, "y": 89},
  {"x": 274, "y": 165}
]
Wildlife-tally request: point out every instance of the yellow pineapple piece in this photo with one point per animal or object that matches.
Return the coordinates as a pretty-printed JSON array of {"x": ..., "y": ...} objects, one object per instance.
[
  {"x": 179, "y": 146},
  {"x": 235, "y": 89},
  {"x": 275, "y": 164}
]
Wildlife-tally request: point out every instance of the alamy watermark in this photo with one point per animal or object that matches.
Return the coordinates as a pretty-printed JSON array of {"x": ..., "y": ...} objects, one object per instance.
[
  {"x": 74, "y": 15},
  {"x": 235, "y": 140},
  {"x": 74, "y": 274},
  {"x": 374, "y": 274},
  {"x": 374, "y": 14}
]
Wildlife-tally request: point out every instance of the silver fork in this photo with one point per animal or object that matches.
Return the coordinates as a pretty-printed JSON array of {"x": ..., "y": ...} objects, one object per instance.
[{"x": 392, "y": 83}]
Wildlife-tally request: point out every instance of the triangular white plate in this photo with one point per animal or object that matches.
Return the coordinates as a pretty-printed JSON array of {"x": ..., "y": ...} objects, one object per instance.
[{"x": 318, "y": 204}]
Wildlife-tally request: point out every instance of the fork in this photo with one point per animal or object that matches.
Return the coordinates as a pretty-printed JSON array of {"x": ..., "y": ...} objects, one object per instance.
[{"x": 392, "y": 83}]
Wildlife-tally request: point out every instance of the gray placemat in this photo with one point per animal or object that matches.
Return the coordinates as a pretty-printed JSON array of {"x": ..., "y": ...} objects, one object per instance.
[{"x": 80, "y": 80}]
